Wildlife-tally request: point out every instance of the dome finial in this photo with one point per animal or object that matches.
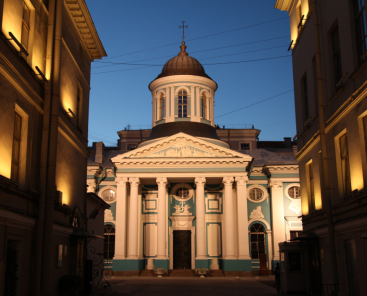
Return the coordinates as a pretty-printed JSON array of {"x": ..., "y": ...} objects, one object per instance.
[{"x": 183, "y": 49}]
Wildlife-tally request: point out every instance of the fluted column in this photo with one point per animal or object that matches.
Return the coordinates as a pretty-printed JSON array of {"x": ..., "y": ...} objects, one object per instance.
[
  {"x": 200, "y": 218},
  {"x": 120, "y": 244},
  {"x": 161, "y": 227},
  {"x": 277, "y": 213},
  {"x": 132, "y": 249},
  {"x": 242, "y": 217},
  {"x": 229, "y": 216}
]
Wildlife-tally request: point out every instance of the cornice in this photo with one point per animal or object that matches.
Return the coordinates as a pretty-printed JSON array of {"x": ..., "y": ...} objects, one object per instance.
[
  {"x": 84, "y": 25},
  {"x": 180, "y": 78},
  {"x": 285, "y": 5}
]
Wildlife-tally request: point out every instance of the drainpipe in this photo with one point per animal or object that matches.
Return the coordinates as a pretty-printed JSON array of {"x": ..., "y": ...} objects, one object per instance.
[
  {"x": 44, "y": 150},
  {"x": 52, "y": 152},
  {"x": 327, "y": 198}
]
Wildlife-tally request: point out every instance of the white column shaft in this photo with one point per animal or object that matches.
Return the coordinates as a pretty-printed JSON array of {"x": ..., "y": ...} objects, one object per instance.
[
  {"x": 229, "y": 216},
  {"x": 132, "y": 249},
  {"x": 277, "y": 211},
  {"x": 242, "y": 216},
  {"x": 120, "y": 231},
  {"x": 161, "y": 227},
  {"x": 200, "y": 219}
]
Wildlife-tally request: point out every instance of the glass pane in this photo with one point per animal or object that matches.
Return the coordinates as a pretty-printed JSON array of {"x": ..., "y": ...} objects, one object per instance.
[
  {"x": 294, "y": 261},
  {"x": 179, "y": 110}
]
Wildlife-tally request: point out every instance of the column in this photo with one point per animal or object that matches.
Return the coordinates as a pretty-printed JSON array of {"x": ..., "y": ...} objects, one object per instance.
[
  {"x": 270, "y": 248},
  {"x": 132, "y": 249},
  {"x": 277, "y": 213},
  {"x": 198, "y": 104},
  {"x": 153, "y": 110},
  {"x": 120, "y": 230},
  {"x": 200, "y": 219},
  {"x": 172, "y": 90},
  {"x": 242, "y": 216},
  {"x": 161, "y": 219},
  {"x": 229, "y": 222}
]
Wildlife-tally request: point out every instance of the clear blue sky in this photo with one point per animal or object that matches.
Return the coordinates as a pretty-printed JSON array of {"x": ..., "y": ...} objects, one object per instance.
[{"x": 130, "y": 29}]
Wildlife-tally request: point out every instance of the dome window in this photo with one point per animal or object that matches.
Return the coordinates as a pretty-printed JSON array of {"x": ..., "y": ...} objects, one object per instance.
[
  {"x": 162, "y": 109},
  {"x": 182, "y": 103},
  {"x": 205, "y": 107}
]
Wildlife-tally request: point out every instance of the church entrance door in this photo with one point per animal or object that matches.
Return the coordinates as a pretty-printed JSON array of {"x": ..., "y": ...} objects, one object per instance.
[{"x": 182, "y": 249}]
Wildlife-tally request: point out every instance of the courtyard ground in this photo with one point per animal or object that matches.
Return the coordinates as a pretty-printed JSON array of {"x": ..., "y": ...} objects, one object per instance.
[{"x": 257, "y": 285}]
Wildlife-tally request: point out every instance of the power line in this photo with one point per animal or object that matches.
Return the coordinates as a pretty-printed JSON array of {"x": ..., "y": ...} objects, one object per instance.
[
  {"x": 277, "y": 122},
  {"x": 226, "y": 63},
  {"x": 254, "y": 103},
  {"x": 206, "y": 36}
]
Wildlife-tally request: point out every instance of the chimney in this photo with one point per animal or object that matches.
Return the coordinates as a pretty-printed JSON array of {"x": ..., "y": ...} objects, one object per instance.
[
  {"x": 99, "y": 158},
  {"x": 288, "y": 143}
]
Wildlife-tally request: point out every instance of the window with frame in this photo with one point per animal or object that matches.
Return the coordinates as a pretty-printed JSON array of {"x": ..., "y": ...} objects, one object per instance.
[
  {"x": 245, "y": 146},
  {"x": 311, "y": 186},
  {"x": 131, "y": 147},
  {"x": 109, "y": 242},
  {"x": 257, "y": 235},
  {"x": 360, "y": 29},
  {"x": 304, "y": 88},
  {"x": 25, "y": 25},
  {"x": 109, "y": 195},
  {"x": 182, "y": 103},
  {"x": 337, "y": 62},
  {"x": 16, "y": 147},
  {"x": 204, "y": 107},
  {"x": 162, "y": 109},
  {"x": 256, "y": 194},
  {"x": 344, "y": 161},
  {"x": 294, "y": 192},
  {"x": 79, "y": 105}
]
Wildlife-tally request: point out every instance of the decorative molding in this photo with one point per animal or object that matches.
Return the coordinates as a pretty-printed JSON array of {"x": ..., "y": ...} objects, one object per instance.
[
  {"x": 147, "y": 200},
  {"x": 134, "y": 182},
  {"x": 268, "y": 230},
  {"x": 200, "y": 181},
  {"x": 182, "y": 150},
  {"x": 211, "y": 200},
  {"x": 92, "y": 185},
  {"x": 103, "y": 189},
  {"x": 108, "y": 216},
  {"x": 121, "y": 181},
  {"x": 228, "y": 181},
  {"x": 286, "y": 191},
  {"x": 161, "y": 181},
  {"x": 241, "y": 181},
  {"x": 295, "y": 206},
  {"x": 262, "y": 188},
  {"x": 274, "y": 185},
  {"x": 257, "y": 214}
]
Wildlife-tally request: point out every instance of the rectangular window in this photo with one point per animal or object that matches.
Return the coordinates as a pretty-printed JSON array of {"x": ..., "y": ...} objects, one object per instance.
[
  {"x": 25, "y": 25},
  {"x": 360, "y": 29},
  {"x": 344, "y": 159},
  {"x": 304, "y": 89},
  {"x": 16, "y": 147},
  {"x": 311, "y": 186},
  {"x": 294, "y": 261},
  {"x": 337, "y": 62},
  {"x": 162, "y": 108},
  {"x": 79, "y": 105},
  {"x": 245, "y": 146},
  {"x": 182, "y": 104}
]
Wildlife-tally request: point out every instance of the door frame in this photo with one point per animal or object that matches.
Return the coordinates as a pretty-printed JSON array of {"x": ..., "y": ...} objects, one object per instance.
[
  {"x": 182, "y": 223},
  {"x": 188, "y": 236}
]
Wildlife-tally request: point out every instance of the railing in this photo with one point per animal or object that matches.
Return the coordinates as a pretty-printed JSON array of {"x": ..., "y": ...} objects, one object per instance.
[{"x": 235, "y": 126}]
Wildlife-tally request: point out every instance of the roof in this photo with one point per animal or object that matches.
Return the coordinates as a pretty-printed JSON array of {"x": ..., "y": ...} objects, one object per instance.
[{"x": 264, "y": 157}]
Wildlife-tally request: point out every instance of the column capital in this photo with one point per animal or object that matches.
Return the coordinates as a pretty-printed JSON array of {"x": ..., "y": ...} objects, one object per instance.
[
  {"x": 161, "y": 181},
  {"x": 228, "y": 181},
  {"x": 134, "y": 182},
  {"x": 241, "y": 181},
  {"x": 276, "y": 185},
  {"x": 121, "y": 181},
  {"x": 200, "y": 181}
]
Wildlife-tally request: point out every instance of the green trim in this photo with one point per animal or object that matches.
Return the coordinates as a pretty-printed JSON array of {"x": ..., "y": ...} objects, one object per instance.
[
  {"x": 258, "y": 178},
  {"x": 90, "y": 176},
  {"x": 160, "y": 121},
  {"x": 164, "y": 263},
  {"x": 202, "y": 120},
  {"x": 237, "y": 265},
  {"x": 180, "y": 170},
  {"x": 155, "y": 223},
  {"x": 182, "y": 119},
  {"x": 127, "y": 265},
  {"x": 199, "y": 263},
  {"x": 207, "y": 239},
  {"x": 285, "y": 175}
]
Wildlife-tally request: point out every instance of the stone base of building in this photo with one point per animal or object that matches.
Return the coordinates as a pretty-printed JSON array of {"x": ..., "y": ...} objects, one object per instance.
[
  {"x": 128, "y": 265},
  {"x": 237, "y": 265}
]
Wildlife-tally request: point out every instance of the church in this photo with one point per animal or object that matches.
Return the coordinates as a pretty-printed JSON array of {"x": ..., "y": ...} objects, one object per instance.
[{"x": 187, "y": 194}]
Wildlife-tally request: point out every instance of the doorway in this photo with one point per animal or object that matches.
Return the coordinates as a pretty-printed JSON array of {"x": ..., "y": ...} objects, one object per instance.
[
  {"x": 258, "y": 249},
  {"x": 182, "y": 249}
]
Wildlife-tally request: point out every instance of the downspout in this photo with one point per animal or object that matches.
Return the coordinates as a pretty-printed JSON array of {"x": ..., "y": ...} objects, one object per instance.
[
  {"x": 326, "y": 179},
  {"x": 44, "y": 149},
  {"x": 51, "y": 165}
]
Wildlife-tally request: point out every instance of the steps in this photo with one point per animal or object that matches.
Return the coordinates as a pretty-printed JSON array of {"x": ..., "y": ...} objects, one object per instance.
[
  {"x": 148, "y": 273},
  {"x": 181, "y": 273}
]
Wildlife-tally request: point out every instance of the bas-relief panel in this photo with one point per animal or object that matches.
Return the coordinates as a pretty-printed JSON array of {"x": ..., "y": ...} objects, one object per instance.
[{"x": 182, "y": 150}]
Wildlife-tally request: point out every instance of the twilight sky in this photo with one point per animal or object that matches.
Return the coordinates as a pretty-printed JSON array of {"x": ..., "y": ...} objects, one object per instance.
[{"x": 224, "y": 36}]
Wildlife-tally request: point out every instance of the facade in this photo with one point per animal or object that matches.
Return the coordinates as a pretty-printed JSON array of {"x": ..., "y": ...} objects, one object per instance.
[
  {"x": 46, "y": 50},
  {"x": 186, "y": 194},
  {"x": 329, "y": 70}
]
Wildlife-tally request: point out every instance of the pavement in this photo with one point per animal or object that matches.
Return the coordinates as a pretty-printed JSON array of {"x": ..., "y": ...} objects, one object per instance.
[{"x": 256, "y": 285}]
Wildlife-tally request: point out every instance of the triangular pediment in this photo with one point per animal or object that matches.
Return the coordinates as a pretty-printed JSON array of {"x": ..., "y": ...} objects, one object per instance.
[{"x": 180, "y": 146}]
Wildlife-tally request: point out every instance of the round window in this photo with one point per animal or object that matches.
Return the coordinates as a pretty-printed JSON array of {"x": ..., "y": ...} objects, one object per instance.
[
  {"x": 256, "y": 194},
  {"x": 294, "y": 192},
  {"x": 109, "y": 195},
  {"x": 182, "y": 193}
]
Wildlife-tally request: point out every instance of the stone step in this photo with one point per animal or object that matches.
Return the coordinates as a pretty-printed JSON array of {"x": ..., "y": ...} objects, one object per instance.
[
  {"x": 147, "y": 273},
  {"x": 215, "y": 273},
  {"x": 181, "y": 273}
]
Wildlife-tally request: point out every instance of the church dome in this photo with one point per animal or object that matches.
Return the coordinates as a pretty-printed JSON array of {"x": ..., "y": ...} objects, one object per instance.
[{"x": 183, "y": 64}]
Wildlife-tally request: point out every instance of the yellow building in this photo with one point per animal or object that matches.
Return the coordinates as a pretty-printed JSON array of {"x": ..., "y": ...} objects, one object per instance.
[{"x": 46, "y": 50}]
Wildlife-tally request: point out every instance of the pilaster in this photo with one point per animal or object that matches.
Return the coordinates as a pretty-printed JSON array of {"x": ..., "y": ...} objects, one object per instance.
[
  {"x": 120, "y": 230},
  {"x": 161, "y": 225},
  {"x": 242, "y": 217},
  {"x": 229, "y": 220},
  {"x": 200, "y": 219},
  {"x": 132, "y": 249}
]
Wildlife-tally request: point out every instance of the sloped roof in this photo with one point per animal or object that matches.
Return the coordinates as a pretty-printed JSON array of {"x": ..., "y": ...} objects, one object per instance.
[{"x": 264, "y": 157}]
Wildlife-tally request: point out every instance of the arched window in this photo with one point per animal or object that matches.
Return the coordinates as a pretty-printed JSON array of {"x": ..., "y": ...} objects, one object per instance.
[
  {"x": 204, "y": 107},
  {"x": 257, "y": 233},
  {"x": 109, "y": 242},
  {"x": 182, "y": 103},
  {"x": 162, "y": 109}
]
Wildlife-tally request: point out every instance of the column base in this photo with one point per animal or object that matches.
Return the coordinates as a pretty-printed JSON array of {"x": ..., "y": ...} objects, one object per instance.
[
  {"x": 128, "y": 265},
  {"x": 214, "y": 264},
  {"x": 202, "y": 263},
  {"x": 164, "y": 263},
  {"x": 150, "y": 264},
  {"x": 237, "y": 265}
]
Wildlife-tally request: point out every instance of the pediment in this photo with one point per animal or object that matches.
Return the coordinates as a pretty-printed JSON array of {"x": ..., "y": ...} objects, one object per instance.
[{"x": 180, "y": 146}]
